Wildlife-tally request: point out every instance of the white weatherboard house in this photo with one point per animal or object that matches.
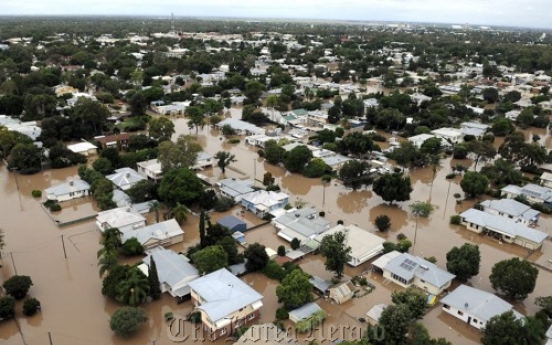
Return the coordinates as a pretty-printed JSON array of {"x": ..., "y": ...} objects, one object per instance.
[
  {"x": 503, "y": 228},
  {"x": 241, "y": 127},
  {"x": 159, "y": 234},
  {"x": 364, "y": 245},
  {"x": 511, "y": 209},
  {"x": 226, "y": 303},
  {"x": 150, "y": 169},
  {"x": 235, "y": 188},
  {"x": 531, "y": 192},
  {"x": 262, "y": 202},
  {"x": 174, "y": 271},
  {"x": 304, "y": 224},
  {"x": 125, "y": 178},
  {"x": 449, "y": 135},
  {"x": 475, "y": 307},
  {"x": 203, "y": 160},
  {"x": 419, "y": 139},
  {"x": 68, "y": 190},
  {"x": 408, "y": 270},
  {"x": 123, "y": 218},
  {"x": 84, "y": 148}
]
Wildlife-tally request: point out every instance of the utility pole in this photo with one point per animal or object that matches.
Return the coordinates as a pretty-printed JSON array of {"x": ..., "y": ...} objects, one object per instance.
[
  {"x": 254, "y": 171},
  {"x": 13, "y": 263},
  {"x": 63, "y": 244},
  {"x": 50, "y": 337}
]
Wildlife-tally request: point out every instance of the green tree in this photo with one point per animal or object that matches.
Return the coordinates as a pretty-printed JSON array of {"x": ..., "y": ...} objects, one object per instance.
[
  {"x": 420, "y": 336},
  {"x": 115, "y": 275},
  {"x": 180, "y": 185},
  {"x": 103, "y": 166},
  {"x": 501, "y": 127},
  {"x": 506, "y": 329},
  {"x": 431, "y": 146},
  {"x": 89, "y": 117},
  {"x": 18, "y": 286},
  {"x": 31, "y": 306},
  {"x": 297, "y": 159},
  {"x": 490, "y": 94},
  {"x": 295, "y": 243},
  {"x": 474, "y": 183},
  {"x": 7, "y": 307},
  {"x": 393, "y": 187},
  {"x": 224, "y": 159},
  {"x": 274, "y": 153},
  {"x": 180, "y": 213},
  {"x": 383, "y": 222},
  {"x": 132, "y": 247},
  {"x": 315, "y": 168},
  {"x": 464, "y": 261},
  {"x": 210, "y": 259},
  {"x": 142, "y": 191},
  {"x": 125, "y": 321},
  {"x": 26, "y": 158},
  {"x": 161, "y": 128},
  {"x": 414, "y": 299},
  {"x": 355, "y": 174},
  {"x": 134, "y": 290},
  {"x": 182, "y": 154},
  {"x": 395, "y": 321},
  {"x": 514, "y": 277},
  {"x": 335, "y": 249},
  {"x": 295, "y": 290},
  {"x": 256, "y": 256},
  {"x": 153, "y": 279},
  {"x": 483, "y": 151},
  {"x": 155, "y": 207},
  {"x": 253, "y": 90},
  {"x": 107, "y": 261}
]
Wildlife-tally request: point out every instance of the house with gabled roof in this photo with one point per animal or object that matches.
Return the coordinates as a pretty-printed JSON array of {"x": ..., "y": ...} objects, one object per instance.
[
  {"x": 502, "y": 228},
  {"x": 150, "y": 169},
  {"x": 68, "y": 190},
  {"x": 475, "y": 307},
  {"x": 530, "y": 192},
  {"x": 174, "y": 271},
  {"x": 304, "y": 224},
  {"x": 408, "y": 270},
  {"x": 123, "y": 218},
  {"x": 125, "y": 178},
  {"x": 164, "y": 234},
  {"x": 235, "y": 188},
  {"x": 546, "y": 179},
  {"x": 511, "y": 209},
  {"x": 225, "y": 302},
  {"x": 262, "y": 202}
]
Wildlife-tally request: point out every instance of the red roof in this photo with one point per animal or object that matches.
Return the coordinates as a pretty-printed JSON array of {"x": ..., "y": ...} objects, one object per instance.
[{"x": 114, "y": 137}]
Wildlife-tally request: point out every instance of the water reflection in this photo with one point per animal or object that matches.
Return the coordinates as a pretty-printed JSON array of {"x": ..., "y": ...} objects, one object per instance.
[
  {"x": 353, "y": 201},
  {"x": 395, "y": 212}
]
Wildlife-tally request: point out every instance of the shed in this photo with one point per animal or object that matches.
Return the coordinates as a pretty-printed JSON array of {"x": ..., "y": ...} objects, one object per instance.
[
  {"x": 239, "y": 237},
  {"x": 374, "y": 313},
  {"x": 233, "y": 223},
  {"x": 342, "y": 292},
  {"x": 303, "y": 312},
  {"x": 320, "y": 284}
]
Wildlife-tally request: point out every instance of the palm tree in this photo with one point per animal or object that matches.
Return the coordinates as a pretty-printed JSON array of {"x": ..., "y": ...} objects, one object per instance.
[
  {"x": 135, "y": 289},
  {"x": 155, "y": 206},
  {"x": 224, "y": 159},
  {"x": 111, "y": 241},
  {"x": 107, "y": 261},
  {"x": 179, "y": 213}
]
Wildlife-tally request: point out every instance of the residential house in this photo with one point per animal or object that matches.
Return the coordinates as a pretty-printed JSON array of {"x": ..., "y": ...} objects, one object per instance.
[
  {"x": 78, "y": 95},
  {"x": 266, "y": 334},
  {"x": 304, "y": 312},
  {"x": 449, "y": 135},
  {"x": 530, "y": 192},
  {"x": 241, "y": 127},
  {"x": 84, "y": 148},
  {"x": 28, "y": 128},
  {"x": 316, "y": 118},
  {"x": 512, "y": 114},
  {"x": 475, "y": 129},
  {"x": 203, "y": 160},
  {"x": 225, "y": 302},
  {"x": 475, "y": 307},
  {"x": 68, "y": 190},
  {"x": 125, "y": 178},
  {"x": 335, "y": 161},
  {"x": 342, "y": 293},
  {"x": 408, "y": 270},
  {"x": 123, "y": 218},
  {"x": 150, "y": 169},
  {"x": 419, "y": 139},
  {"x": 61, "y": 90},
  {"x": 262, "y": 202},
  {"x": 419, "y": 98},
  {"x": 364, "y": 244},
  {"x": 164, "y": 234},
  {"x": 118, "y": 141},
  {"x": 176, "y": 108},
  {"x": 120, "y": 198},
  {"x": 502, "y": 228},
  {"x": 174, "y": 271},
  {"x": 303, "y": 224},
  {"x": 546, "y": 179},
  {"x": 370, "y": 103},
  {"x": 233, "y": 224},
  {"x": 511, "y": 209},
  {"x": 234, "y": 188}
]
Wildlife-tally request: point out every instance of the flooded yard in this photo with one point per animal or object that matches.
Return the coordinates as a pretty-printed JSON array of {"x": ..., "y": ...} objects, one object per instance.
[{"x": 75, "y": 311}]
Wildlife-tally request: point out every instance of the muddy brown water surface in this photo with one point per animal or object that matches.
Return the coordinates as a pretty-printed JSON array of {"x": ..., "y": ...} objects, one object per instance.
[{"x": 75, "y": 311}]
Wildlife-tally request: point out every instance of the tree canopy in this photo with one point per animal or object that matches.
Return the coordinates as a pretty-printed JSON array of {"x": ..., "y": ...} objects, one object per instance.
[
  {"x": 182, "y": 154},
  {"x": 125, "y": 321},
  {"x": 464, "y": 261},
  {"x": 393, "y": 187},
  {"x": 335, "y": 249},
  {"x": 180, "y": 185},
  {"x": 514, "y": 277},
  {"x": 295, "y": 290}
]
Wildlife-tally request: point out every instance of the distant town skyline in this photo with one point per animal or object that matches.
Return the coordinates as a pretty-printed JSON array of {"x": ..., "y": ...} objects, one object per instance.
[{"x": 520, "y": 13}]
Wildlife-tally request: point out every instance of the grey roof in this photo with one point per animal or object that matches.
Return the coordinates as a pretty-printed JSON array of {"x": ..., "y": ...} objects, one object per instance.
[
  {"x": 68, "y": 187},
  {"x": 511, "y": 207},
  {"x": 304, "y": 311},
  {"x": 503, "y": 225},
  {"x": 121, "y": 198},
  {"x": 304, "y": 221},
  {"x": 240, "y": 125},
  {"x": 203, "y": 156},
  {"x": 172, "y": 267},
  {"x": 238, "y": 269},
  {"x": 408, "y": 266},
  {"x": 375, "y": 312},
  {"x": 320, "y": 284},
  {"x": 512, "y": 189},
  {"x": 125, "y": 177},
  {"x": 157, "y": 231},
  {"x": 481, "y": 304},
  {"x": 536, "y": 191},
  {"x": 549, "y": 333},
  {"x": 235, "y": 187},
  {"x": 334, "y": 160},
  {"x": 223, "y": 294},
  {"x": 230, "y": 222}
]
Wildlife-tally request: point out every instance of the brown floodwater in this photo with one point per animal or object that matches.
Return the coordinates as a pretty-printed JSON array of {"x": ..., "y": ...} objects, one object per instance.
[{"x": 69, "y": 289}]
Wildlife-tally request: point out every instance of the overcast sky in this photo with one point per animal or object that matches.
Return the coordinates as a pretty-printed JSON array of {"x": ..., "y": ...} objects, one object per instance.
[{"x": 526, "y": 13}]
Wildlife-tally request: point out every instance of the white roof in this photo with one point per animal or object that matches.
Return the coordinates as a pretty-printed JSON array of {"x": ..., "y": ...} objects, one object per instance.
[
  {"x": 382, "y": 261},
  {"x": 447, "y": 132},
  {"x": 67, "y": 187},
  {"x": 421, "y": 137},
  {"x": 408, "y": 266},
  {"x": 119, "y": 217},
  {"x": 223, "y": 293},
  {"x": 363, "y": 243},
  {"x": 481, "y": 304},
  {"x": 264, "y": 198},
  {"x": 125, "y": 177},
  {"x": 157, "y": 232},
  {"x": 173, "y": 269},
  {"x": 82, "y": 147}
]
